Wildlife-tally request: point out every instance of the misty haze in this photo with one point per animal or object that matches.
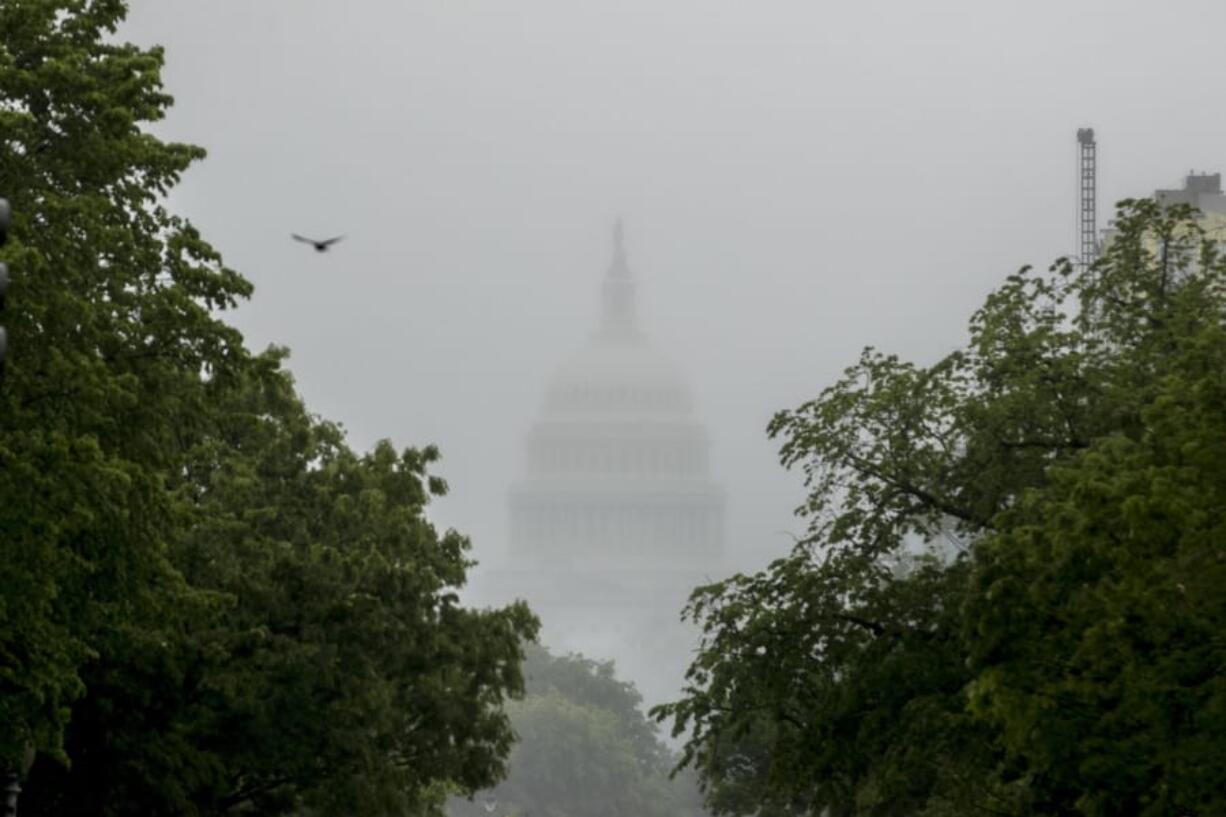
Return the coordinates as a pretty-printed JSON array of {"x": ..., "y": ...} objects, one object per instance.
[{"x": 558, "y": 409}]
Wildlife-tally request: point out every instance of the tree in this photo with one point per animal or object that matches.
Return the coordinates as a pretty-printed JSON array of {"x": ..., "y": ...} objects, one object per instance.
[
  {"x": 211, "y": 603},
  {"x": 871, "y": 672},
  {"x": 111, "y": 318},
  {"x": 584, "y": 749},
  {"x": 1095, "y": 622},
  {"x": 324, "y": 664}
]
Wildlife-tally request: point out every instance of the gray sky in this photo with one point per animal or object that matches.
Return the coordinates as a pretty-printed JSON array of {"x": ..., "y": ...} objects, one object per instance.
[{"x": 799, "y": 179}]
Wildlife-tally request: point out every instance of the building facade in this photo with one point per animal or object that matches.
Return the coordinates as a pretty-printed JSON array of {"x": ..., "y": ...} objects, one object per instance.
[{"x": 1204, "y": 192}]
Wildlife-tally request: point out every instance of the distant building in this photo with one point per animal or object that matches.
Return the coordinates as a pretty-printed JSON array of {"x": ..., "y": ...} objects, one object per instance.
[
  {"x": 1200, "y": 190},
  {"x": 1204, "y": 192},
  {"x": 616, "y": 518}
]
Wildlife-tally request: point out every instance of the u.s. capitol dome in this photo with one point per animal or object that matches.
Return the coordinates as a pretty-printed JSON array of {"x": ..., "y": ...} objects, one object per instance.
[{"x": 616, "y": 516}]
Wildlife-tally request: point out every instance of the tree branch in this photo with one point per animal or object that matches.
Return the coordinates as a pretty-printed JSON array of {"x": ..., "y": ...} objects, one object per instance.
[{"x": 944, "y": 506}]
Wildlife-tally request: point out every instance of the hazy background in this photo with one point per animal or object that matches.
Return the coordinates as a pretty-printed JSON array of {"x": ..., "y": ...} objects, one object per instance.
[{"x": 798, "y": 180}]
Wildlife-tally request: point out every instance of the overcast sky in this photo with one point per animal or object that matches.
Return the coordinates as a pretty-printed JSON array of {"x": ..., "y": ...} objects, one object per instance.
[{"x": 798, "y": 179}]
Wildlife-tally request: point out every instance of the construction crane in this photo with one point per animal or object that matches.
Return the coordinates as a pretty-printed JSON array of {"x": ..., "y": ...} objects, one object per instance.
[{"x": 1087, "y": 233}]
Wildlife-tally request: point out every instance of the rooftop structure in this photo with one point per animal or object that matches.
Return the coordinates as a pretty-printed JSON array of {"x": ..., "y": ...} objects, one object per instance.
[{"x": 1201, "y": 190}]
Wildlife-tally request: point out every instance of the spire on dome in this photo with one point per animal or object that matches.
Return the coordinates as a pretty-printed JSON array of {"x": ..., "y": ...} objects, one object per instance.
[
  {"x": 618, "y": 316},
  {"x": 619, "y": 268}
]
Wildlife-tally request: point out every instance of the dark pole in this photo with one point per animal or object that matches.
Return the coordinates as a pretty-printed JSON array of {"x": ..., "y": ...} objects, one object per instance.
[
  {"x": 4, "y": 279},
  {"x": 12, "y": 788},
  {"x": 12, "y": 783}
]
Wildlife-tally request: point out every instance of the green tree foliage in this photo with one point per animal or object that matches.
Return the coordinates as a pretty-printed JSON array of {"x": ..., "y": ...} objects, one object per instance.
[
  {"x": 321, "y": 661},
  {"x": 211, "y": 604},
  {"x": 111, "y": 318},
  {"x": 1003, "y": 604},
  {"x": 584, "y": 749},
  {"x": 1096, "y": 619}
]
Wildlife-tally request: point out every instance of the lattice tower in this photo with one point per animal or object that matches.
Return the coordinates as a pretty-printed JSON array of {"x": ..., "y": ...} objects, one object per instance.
[{"x": 1087, "y": 232}]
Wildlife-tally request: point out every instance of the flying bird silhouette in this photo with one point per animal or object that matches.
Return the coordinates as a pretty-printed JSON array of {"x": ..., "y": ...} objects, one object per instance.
[{"x": 320, "y": 246}]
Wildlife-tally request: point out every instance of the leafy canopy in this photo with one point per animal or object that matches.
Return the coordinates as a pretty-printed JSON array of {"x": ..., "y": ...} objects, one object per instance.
[
  {"x": 996, "y": 607},
  {"x": 584, "y": 749},
  {"x": 112, "y": 319},
  {"x": 211, "y": 603}
]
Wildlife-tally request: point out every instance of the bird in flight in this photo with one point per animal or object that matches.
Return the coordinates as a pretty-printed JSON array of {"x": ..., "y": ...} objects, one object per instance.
[{"x": 320, "y": 246}]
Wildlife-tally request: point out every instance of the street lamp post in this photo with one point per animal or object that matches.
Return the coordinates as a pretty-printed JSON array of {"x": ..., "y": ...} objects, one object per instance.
[
  {"x": 12, "y": 788},
  {"x": 12, "y": 781},
  {"x": 4, "y": 279}
]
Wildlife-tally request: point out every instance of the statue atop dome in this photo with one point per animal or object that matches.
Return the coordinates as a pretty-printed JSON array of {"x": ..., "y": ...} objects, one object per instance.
[
  {"x": 618, "y": 309},
  {"x": 619, "y": 268}
]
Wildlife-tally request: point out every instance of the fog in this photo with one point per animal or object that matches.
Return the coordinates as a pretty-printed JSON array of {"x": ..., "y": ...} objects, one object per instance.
[{"x": 797, "y": 180}]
